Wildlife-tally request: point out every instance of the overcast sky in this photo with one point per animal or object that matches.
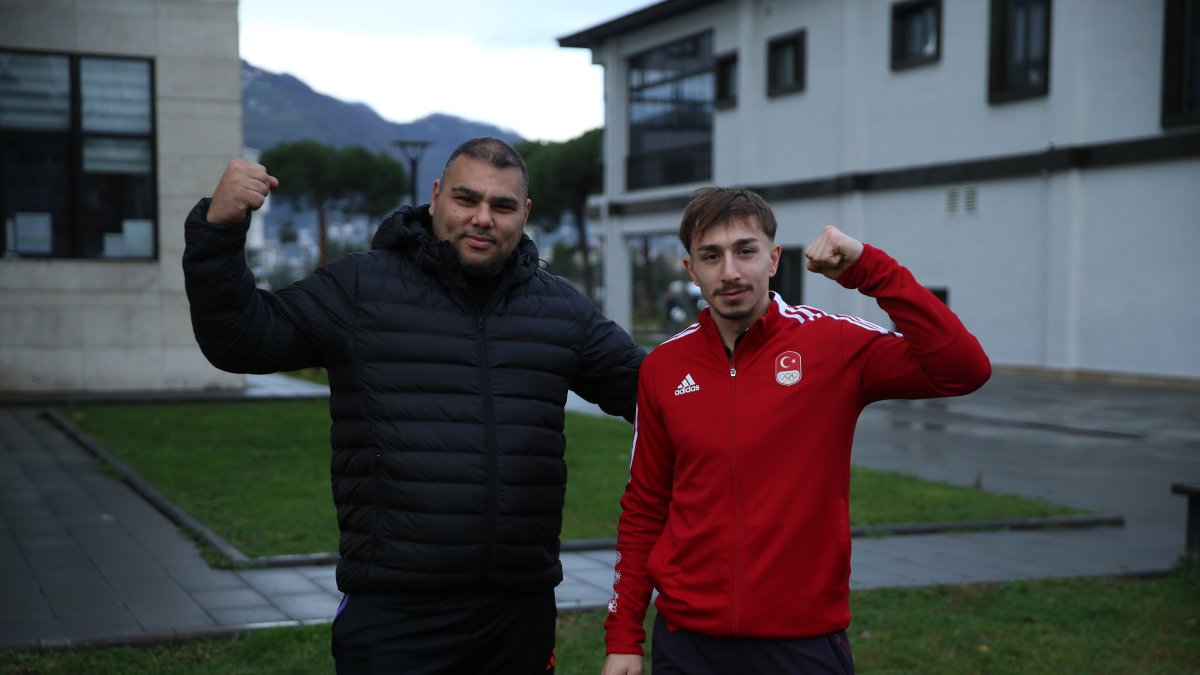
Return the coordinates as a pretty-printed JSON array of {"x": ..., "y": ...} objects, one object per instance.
[{"x": 495, "y": 62}]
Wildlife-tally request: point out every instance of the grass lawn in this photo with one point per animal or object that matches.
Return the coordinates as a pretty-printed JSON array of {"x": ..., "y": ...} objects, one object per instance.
[
  {"x": 258, "y": 473},
  {"x": 1093, "y": 626}
]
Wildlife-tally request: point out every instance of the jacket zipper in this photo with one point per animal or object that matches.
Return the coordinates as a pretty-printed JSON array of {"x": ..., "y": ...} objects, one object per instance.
[
  {"x": 492, "y": 460},
  {"x": 737, "y": 499}
]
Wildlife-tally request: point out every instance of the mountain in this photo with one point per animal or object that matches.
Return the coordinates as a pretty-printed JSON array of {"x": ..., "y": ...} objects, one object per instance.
[{"x": 280, "y": 107}]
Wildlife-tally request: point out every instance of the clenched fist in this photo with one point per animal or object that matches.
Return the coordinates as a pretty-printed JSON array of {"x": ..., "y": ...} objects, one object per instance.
[
  {"x": 243, "y": 188},
  {"x": 832, "y": 252}
]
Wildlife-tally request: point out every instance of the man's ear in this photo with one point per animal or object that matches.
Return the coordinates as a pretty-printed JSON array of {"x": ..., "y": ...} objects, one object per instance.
[
  {"x": 433, "y": 196},
  {"x": 776, "y": 253},
  {"x": 687, "y": 265}
]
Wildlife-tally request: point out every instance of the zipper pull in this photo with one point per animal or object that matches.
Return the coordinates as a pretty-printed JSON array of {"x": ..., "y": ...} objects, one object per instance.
[{"x": 733, "y": 372}]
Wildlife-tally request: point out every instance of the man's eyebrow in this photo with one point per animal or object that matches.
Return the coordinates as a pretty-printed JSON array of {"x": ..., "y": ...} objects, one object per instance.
[
  {"x": 745, "y": 241},
  {"x": 466, "y": 191},
  {"x": 502, "y": 200}
]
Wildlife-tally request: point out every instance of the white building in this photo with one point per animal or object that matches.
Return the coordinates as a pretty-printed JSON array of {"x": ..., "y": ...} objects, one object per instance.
[
  {"x": 114, "y": 118},
  {"x": 1035, "y": 161}
]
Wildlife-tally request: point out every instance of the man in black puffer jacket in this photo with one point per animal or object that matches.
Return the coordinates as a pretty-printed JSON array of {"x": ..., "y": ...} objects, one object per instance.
[{"x": 450, "y": 353}]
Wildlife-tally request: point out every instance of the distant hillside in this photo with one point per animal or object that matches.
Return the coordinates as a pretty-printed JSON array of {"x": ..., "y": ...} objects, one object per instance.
[{"x": 280, "y": 107}]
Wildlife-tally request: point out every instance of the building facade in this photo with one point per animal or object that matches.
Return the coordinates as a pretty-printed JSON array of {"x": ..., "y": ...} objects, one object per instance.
[
  {"x": 114, "y": 118},
  {"x": 1035, "y": 162}
]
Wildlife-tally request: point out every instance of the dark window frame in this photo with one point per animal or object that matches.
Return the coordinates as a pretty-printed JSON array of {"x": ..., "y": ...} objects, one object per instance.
[
  {"x": 1000, "y": 89},
  {"x": 725, "y": 76},
  {"x": 76, "y": 137},
  {"x": 1177, "y": 110},
  {"x": 903, "y": 10},
  {"x": 798, "y": 41}
]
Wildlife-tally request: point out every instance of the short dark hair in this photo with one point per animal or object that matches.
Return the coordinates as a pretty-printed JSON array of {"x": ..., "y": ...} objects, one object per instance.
[
  {"x": 494, "y": 152},
  {"x": 717, "y": 205}
]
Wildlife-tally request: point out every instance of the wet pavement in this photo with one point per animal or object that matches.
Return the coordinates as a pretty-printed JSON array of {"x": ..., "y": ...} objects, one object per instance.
[{"x": 84, "y": 559}]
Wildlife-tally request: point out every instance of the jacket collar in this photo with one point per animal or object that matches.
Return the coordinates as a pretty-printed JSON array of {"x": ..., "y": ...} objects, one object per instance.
[
  {"x": 411, "y": 229},
  {"x": 761, "y": 326}
]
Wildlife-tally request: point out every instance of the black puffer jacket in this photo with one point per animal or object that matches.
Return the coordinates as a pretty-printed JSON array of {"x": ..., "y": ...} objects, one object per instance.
[{"x": 447, "y": 464}]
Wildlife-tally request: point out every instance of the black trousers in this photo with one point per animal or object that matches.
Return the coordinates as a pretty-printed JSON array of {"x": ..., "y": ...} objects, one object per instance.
[
  {"x": 683, "y": 652},
  {"x": 469, "y": 633}
]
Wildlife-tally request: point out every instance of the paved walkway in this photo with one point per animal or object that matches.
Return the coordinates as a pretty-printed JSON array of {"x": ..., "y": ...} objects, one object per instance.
[{"x": 84, "y": 560}]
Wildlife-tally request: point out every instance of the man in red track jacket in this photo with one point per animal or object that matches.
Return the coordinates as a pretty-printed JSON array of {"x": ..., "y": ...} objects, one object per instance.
[{"x": 737, "y": 507}]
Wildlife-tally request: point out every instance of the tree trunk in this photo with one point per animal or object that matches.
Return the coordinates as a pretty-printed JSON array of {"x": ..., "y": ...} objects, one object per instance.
[
  {"x": 584, "y": 251},
  {"x": 648, "y": 289},
  {"x": 322, "y": 237}
]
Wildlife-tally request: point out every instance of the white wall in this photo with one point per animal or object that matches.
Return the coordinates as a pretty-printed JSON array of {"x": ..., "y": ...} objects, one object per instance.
[
  {"x": 1075, "y": 270},
  {"x": 80, "y": 325}
]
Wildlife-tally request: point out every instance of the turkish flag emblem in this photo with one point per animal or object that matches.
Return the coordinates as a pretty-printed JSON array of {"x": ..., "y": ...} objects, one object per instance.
[{"x": 787, "y": 368}]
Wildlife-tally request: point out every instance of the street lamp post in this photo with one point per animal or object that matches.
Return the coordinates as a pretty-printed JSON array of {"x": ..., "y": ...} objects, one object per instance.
[{"x": 412, "y": 151}]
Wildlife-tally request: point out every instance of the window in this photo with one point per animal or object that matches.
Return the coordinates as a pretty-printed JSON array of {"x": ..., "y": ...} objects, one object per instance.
[
  {"x": 1019, "y": 66},
  {"x": 671, "y": 92},
  {"x": 916, "y": 33},
  {"x": 788, "y": 281},
  {"x": 726, "y": 76},
  {"x": 1181, "y": 64},
  {"x": 665, "y": 300},
  {"x": 77, "y": 172},
  {"x": 785, "y": 64}
]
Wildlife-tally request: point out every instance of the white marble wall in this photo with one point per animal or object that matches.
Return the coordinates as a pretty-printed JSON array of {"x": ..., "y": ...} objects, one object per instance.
[{"x": 78, "y": 325}]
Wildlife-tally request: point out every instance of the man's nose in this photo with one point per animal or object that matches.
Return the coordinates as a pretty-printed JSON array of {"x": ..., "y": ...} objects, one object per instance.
[
  {"x": 729, "y": 269},
  {"x": 483, "y": 215}
]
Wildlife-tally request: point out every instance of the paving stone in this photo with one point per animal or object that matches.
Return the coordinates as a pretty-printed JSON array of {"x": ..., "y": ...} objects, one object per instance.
[
  {"x": 155, "y": 615},
  {"x": 230, "y": 598},
  {"x": 239, "y": 616},
  {"x": 307, "y": 606},
  {"x": 280, "y": 580},
  {"x": 20, "y": 629},
  {"x": 91, "y": 624},
  {"x": 198, "y": 576}
]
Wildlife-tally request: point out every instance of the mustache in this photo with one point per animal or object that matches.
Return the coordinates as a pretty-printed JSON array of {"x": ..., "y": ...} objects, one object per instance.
[
  {"x": 731, "y": 288},
  {"x": 479, "y": 234}
]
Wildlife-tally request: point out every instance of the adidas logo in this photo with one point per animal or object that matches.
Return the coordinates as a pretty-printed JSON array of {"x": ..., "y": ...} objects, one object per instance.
[{"x": 687, "y": 386}]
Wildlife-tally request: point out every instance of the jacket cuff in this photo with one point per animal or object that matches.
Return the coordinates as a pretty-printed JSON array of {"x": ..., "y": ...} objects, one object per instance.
[{"x": 857, "y": 273}]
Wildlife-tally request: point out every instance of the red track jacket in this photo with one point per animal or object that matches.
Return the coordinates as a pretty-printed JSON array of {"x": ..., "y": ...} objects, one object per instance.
[{"x": 736, "y": 508}]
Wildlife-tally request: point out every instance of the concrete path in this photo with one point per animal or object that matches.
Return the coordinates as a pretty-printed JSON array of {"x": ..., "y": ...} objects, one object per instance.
[{"x": 84, "y": 560}]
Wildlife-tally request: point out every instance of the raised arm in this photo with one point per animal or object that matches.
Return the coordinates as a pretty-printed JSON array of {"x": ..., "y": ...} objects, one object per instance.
[
  {"x": 239, "y": 327},
  {"x": 934, "y": 355}
]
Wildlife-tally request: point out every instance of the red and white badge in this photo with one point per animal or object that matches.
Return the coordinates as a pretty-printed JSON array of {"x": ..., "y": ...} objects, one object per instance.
[{"x": 787, "y": 368}]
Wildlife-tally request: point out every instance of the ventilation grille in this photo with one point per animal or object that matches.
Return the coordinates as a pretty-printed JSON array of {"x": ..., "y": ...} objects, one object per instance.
[{"x": 962, "y": 200}]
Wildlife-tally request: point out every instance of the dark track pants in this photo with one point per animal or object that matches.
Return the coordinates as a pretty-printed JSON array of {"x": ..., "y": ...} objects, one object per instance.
[
  {"x": 469, "y": 633},
  {"x": 683, "y": 652}
]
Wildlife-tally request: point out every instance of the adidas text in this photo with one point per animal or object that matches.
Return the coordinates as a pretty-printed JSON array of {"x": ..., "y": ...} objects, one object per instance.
[{"x": 687, "y": 386}]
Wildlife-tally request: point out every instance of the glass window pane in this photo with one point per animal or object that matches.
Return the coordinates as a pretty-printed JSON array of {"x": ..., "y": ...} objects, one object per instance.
[
  {"x": 1037, "y": 33},
  {"x": 35, "y": 92},
  {"x": 35, "y": 178},
  {"x": 118, "y": 212},
  {"x": 116, "y": 95},
  {"x": 783, "y": 59},
  {"x": 664, "y": 298},
  {"x": 116, "y": 155},
  {"x": 1191, "y": 60}
]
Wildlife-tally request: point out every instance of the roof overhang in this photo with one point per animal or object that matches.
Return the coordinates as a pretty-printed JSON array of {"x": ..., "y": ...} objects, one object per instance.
[{"x": 595, "y": 36}]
